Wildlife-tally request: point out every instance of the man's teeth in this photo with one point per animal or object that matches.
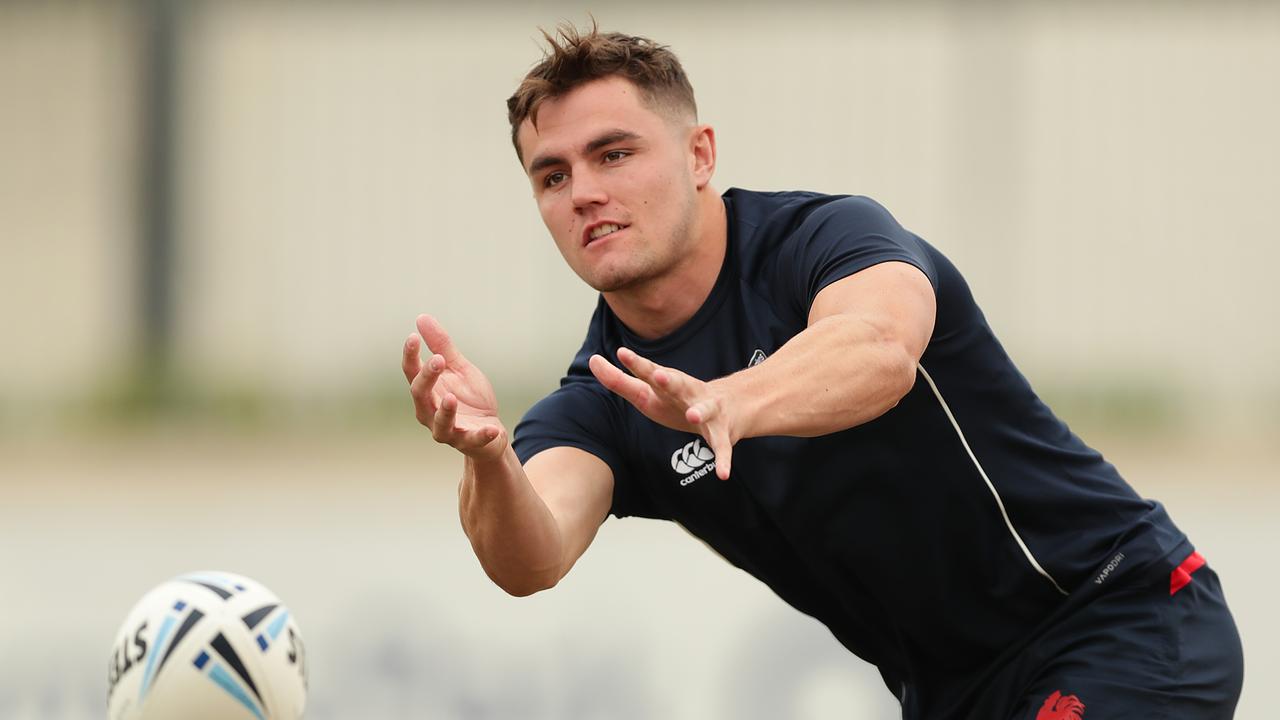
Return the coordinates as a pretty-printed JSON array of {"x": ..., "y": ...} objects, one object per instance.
[{"x": 604, "y": 230}]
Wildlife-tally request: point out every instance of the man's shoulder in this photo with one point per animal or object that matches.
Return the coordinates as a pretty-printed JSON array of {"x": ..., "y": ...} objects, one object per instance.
[
  {"x": 781, "y": 212},
  {"x": 753, "y": 206}
]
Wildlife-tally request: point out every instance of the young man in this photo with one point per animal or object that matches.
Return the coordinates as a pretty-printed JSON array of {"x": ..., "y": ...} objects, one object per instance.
[{"x": 811, "y": 389}]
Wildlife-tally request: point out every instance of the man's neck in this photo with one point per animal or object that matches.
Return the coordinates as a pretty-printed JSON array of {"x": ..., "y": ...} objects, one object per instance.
[{"x": 659, "y": 307}]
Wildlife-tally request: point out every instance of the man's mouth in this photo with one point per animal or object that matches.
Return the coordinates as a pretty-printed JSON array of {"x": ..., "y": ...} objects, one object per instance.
[{"x": 603, "y": 230}]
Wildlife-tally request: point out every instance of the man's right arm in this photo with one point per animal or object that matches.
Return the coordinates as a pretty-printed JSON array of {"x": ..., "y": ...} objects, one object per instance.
[{"x": 528, "y": 525}]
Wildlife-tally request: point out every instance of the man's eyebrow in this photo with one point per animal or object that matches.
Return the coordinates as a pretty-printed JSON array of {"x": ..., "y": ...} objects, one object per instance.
[
  {"x": 608, "y": 138},
  {"x": 544, "y": 161}
]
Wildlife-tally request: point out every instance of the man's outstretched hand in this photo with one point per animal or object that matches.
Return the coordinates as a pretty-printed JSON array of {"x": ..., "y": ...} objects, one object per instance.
[
  {"x": 451, "y": 396},
  {"x": 674, "y": 399}
]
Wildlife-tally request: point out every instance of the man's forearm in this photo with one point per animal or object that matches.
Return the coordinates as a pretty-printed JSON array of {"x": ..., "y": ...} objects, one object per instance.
[
  {"x": 839, "y": 372},
  {"x": 511, "y": 530}
]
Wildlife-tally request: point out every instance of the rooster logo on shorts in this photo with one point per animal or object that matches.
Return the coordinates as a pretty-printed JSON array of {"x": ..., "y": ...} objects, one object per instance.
[{"x": 1061, "y": 707}]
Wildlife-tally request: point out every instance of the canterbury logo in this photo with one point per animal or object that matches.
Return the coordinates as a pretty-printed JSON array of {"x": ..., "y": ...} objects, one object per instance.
[{"x": 691, "y": 457}]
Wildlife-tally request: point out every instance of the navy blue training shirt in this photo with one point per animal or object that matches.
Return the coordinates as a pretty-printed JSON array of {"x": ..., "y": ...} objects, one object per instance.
[{"x": 932, "y": 540}]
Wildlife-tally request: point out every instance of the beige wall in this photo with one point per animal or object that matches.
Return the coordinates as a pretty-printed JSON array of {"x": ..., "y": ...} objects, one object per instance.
[
  {"x": 1101, "y": 173},
  {"x": 66, "y": 198}
]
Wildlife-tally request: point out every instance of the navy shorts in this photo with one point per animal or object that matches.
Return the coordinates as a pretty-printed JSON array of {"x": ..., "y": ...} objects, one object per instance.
[{"x": 1157, "y": 643}]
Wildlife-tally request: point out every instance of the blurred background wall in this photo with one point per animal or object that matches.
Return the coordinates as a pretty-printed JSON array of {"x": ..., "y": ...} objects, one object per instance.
[{"x": 218, "y": 220}]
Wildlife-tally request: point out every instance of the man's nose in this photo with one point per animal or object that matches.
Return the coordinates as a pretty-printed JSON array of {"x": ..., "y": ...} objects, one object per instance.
[{"x": 588, "y": 188}]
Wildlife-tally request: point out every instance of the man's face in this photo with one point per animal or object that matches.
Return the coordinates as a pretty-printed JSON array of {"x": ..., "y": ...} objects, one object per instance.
[{"x": 614, "y": 183}]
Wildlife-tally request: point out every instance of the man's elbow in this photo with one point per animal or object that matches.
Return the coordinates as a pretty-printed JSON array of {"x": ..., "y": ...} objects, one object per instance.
[
  {"x": 900, "y": 372},
  {"x": 525, "y": 584},
  {"x": 524, "y": 589}
]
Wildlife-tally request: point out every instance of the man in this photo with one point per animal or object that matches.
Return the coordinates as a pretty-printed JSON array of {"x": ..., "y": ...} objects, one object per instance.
[{"x": 811, "y": 390}]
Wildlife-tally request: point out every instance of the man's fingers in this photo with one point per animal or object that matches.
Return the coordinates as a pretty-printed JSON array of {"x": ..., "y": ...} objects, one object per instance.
[
  {"x": 674, "y": 383},
  {"x": 442, "y": 423},
  {"x": 411, "y": 361},
  {"x": 438, "y": 340},
  {"x": 445, "y": 428},
  {"x": 639, "y": 366},
  {"x": 672, "y": 390},
  {"x": 724, "y": 455},
  {"x": 475, "y": 438},
  {"x": 423, "y": 387},
  {"x": 608, "y": 375},
  {"x": 722, "y": 446},
  {"x": 468, "y": 440},
  {"x": 699, "y": 413},
  {"x": 634, "y": 390},
  {"x": 669, "y": 381}
]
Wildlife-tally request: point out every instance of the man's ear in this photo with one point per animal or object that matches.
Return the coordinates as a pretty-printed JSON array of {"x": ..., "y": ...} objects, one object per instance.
[{"x": 702, "y": 146}]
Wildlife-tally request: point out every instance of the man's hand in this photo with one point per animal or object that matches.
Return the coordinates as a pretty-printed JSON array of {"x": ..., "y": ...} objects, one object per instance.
[
  {"x": 451, "y": 396},
  {"x": 674, "y": 399}
]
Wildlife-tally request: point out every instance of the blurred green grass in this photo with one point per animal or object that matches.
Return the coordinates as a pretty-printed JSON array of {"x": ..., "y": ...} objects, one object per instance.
[{"x": 1126, "y": 407}]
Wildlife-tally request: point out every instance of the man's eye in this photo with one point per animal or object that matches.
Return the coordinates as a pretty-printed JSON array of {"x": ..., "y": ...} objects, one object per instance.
[
  {"x": 615, "y": 155},
  {"x": 553, "y": 179}
]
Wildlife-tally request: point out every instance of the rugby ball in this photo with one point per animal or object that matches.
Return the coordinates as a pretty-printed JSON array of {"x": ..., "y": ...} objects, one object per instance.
[{"x": 206, "y": 646}]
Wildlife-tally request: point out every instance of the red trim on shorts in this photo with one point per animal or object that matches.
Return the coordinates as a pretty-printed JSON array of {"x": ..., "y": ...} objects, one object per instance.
[
  {"x": 1061, "y": 707},
  {"x": 1181, "y": 575}
]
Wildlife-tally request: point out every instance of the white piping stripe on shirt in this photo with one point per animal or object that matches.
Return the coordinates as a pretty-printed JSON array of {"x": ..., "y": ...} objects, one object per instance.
[{"x": 999, "y": 503}]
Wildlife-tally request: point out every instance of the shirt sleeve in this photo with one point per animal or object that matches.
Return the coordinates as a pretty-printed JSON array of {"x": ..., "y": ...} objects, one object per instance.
[
  {"x": 841, "y": 238},
  {"x": 581, "y": 414}
]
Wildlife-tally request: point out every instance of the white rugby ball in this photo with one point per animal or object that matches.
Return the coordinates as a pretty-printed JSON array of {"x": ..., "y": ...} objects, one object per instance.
[{"x": 207, "y": 646}]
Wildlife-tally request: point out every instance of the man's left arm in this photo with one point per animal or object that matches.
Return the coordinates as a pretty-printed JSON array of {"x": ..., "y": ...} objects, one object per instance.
[{"x": 853, "y": 362}]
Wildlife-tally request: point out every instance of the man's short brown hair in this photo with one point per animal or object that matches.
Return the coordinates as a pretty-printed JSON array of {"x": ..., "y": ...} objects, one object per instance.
[{"x": 575, "y": 58}]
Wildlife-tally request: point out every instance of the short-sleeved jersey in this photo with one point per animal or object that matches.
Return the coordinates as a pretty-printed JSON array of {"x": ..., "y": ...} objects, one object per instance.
[{"x": 932, "y": 540}]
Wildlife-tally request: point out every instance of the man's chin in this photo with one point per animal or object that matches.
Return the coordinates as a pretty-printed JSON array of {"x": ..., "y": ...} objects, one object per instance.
[
  {"x": 618, "y": 282},
  {"x": 614, "y": 284},
  {"x": 615, "y": 281}
]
